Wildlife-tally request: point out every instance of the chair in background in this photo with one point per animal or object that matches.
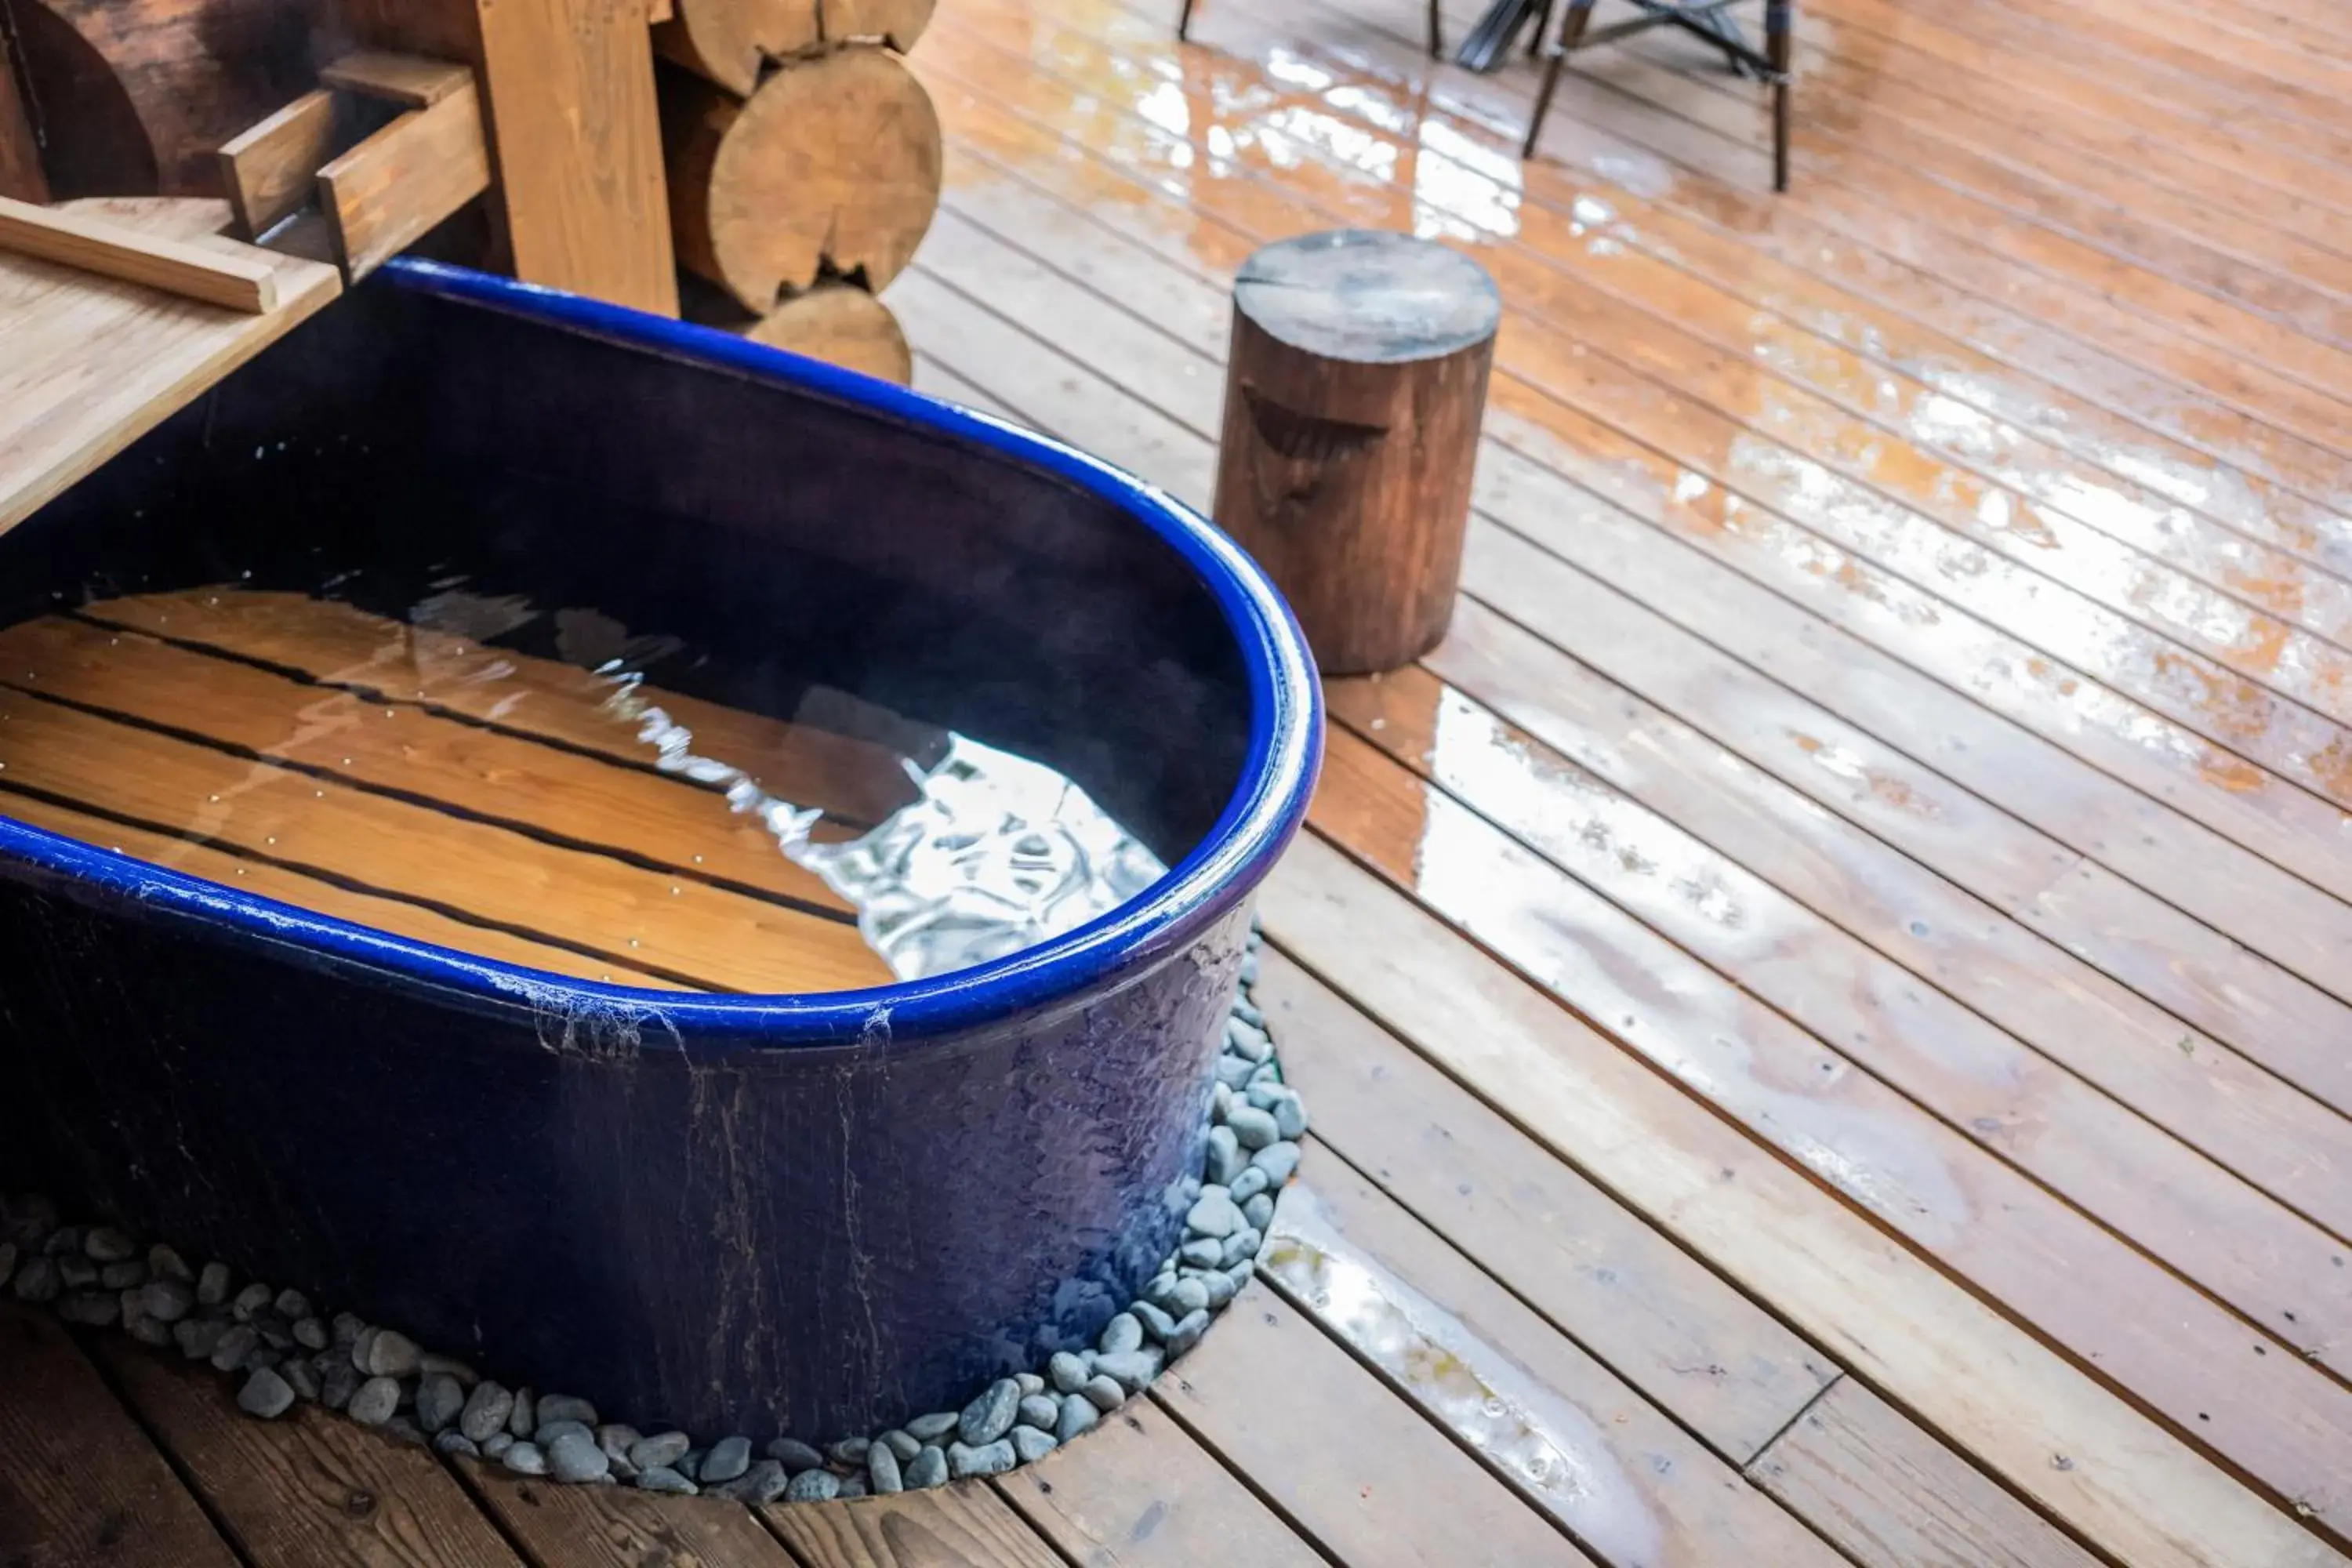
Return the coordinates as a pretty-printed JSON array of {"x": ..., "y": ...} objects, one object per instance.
[
  {"x": 1704, "y": 19},
  {"x": 1437, "y": 28}
]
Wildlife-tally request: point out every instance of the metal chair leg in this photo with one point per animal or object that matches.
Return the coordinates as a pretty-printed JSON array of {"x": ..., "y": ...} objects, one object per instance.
[
  {"x": 1778, "y": 49},
  {"x": 1535, "y": 38},
  {"x": 1571, "y": 32},
  {"x": 1436, "y": 31},
  {"x": 1184, "y": 24}
]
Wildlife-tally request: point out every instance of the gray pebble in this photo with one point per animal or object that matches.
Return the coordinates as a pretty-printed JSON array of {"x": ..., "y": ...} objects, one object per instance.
[
  {"x": 76, "y": 1272},
  {"x": 1220, "y": 1291},
  {"x": 1202, "y": 1253},
  {"x": 1041, "y": 1410},
  {"x": 448, "y": 1366},
  {"x": 989, "y": 1417},
  {"x": 1103, "y": 1391},
  {"x": 932, "y": 1427},
  {"x": 1216, "y": 1214},
  {"x": 438, "y": 1402},
  {"x": 292, "y": 1304},
  {"x": 385, "y": 1352},
  {"x": 617, "y": 1437},
  {"x": 211, "y": 1285},
  {"x": 572, "y": 1456},
  {"x": 402, "y": 1427},
  {"x": 882, "y": 1470},
  {"x": 108, "y": 1244},
  {"x": 127, "y": 1275},
  {"x": 1160, "y": 1284},
  {"x": 1155, "y": 1320},
  {"x": 927, "y": 1469},
  {"x": 966, "y": 1459},
  {"x": 485, "y": 1412},
  {"x": 522, "y": 1418},
  {"x": 661, "y": 1479},
  {"x": 1243, "y": 1245},
  {"x": 302, "y": 1377},
  {"x": 1121, "y": 1333},
  {"x": 795, "y": 1456},
  {"x": 763, "y": 1482},
  {"x": 1248, "y": 1041},
  {"x": 311, "y": 1334},
  {"x": 36, "y": 1279},
  {"x": 1253, "y": 1129},
  {"x": 147, "y": 1331},
  {"x": 1290, "y": 1116},
  {"x": 901, "y": 1443},
  {"x": 549, "y": 1431},
  {"x": 1234, "y": 1071},
  {"x": 850, "y": 1452},
  {"x": 1130, "y": 1369},
  {"x": 1030, "y": 1383},
  {"x": 1249, "y": 1184},
  {"x": 1246, "y": 1010},
  {"x": 1259, "y": 1211},
  {"x": 165, "y": 1263},
  {"x": 249, "y": 1300},
  {"x": 812, "y": 1485},
  {"x": 1278, "y": 1160},
  {"x": 662, "y": 1451},
  {"x": 1031, "y": 1445},
  {"x": 91, "y": 1308},
  {"x": 1240, "y": 1272},
  {"x": 198, "y": 1337},
  {"x": 1066, "y": 1372},
  {"x": 1189, "y": 1296},
  {"x": 524, "y": 1459},
  {"x": 348, "y": 1328},
  {"x": 1249, "y": 967},
  {"x": 566, "y": 1407},
  {"x": 266, "y": 1394},
  {"x": 1221, "y": 1101},
  {"x": 1078, "y": 1414},
  {"x": 728, "y": 1457},
  {"x": 337, "y": 1381},
  {"x": 1225, "y": 1159},
  {"x": 376, "y": 1400},
  {"x": 456, "y": 1442},
  {"x": 497, "y": 1444},
  {"x": 236, "y": 1343},
  {"x": 1187, "y": 1333},
  {"x": 691, "y": 1465},
  {"x": 852, "y": 1486}
]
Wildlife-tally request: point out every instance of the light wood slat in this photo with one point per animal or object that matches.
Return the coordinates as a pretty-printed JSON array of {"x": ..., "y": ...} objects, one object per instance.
[
  {"x": 288, "y": 887},
  {"x": 92, "y": 244},
  {"x": 339, "y": 645},
  {"x": 1716, "y": 1361},
  {"x": 688, "y": 930},
  {"x": 79, "y": 1483},
  {"x": 1987, "y": 1387},
  {"x": 1138, "y": 1493},
  {"x": 691, "y": 832},
  {"x": 401, "y": 182},
  {"x": 935, "y": 380},
  {"x": 2219, "y": 1383},
  {"x": 2274, "y": 1267},
  {"x": 2265, "y": 1129},
  {"x": 268, "y": 171},
  {"x": 619, "y": 1526},
  {"x": 1354, "y": 1466},
  {"x": 2265, "y": 69},
  {"x": 1629, "y": 1485},
  {"x": 1888, "y": 1502},
  {"x": 953, "y": 1527},
  {"x": 312, "y": 1488},
  {"x": 2154, "y": 852},
  {"x": 414, "y": 81}
]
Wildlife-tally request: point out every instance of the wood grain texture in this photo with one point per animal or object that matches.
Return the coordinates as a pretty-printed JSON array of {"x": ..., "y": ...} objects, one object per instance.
[
  {"x": 841, "y": 324},
  {"x": 310, "y": 1489},
  {"x": 1861, "y": 1474},
  {"x": 833, "y": 164},
  {"x": 733, "y": 42},
  {"x": 94, "y": 363},
  {"x": 1139, "y": 1492},
  {"x": 79, "y": 1483},
  {"x": 231, "y": 280},
  {"x": 270, "y": 170},
  {"x": 963, "y": 1526},
  {"x": 619, "y": 1526},
  {"x": 403, "y": 181},
  {"x": 414, "y": 81}
]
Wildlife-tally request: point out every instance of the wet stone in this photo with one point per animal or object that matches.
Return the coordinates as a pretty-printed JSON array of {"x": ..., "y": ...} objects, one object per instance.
[
  {"x": 292, "y": 1304},
  {"x": 566, "y": 1407},
  {"x": 901, "y": 1443},
  {"x": 850, "y": 1452},
  {"x": 1202, "y": 1253},
  {"x": 165, "y": 1263},
  {"x": 989, "y": 1417},
  {"x": 1104, "y": 1391},
  {"x": 1189, "y": 1332},
  {"x": 928, "y": 1469},
  {"x": 76, "y": 1272},
  {"x": 1189, "y": 1296},
  {"x": 127, "y": 1275},
  {"x": 456, "y": 1442},
  {"x": 1259, "y": 1211},
  {"x": 1253, "y": 1129},
  {"x": 237, "y": 1343},
  {"x": 1078, "y": 1415},
  {"x": 549, "y": 1431},
  {"x": 691, "y": 1465},
  {"x": 1234, "y": 1071},
  {"x": 882, "y": 1473},
  {"x": 932, "y": 1427},
  {"x": 387, "y": 1352},
  {"x": 1220, "y": 1291},
  {"x": 1030, "y": 1443},
  {"x": 1066, "y": 1372},
  {"x": 522, "y": 1416},
  {"x": 1225, "y": 1159},
  {"x": 966, "y": 1460},
  {"x": 662, "y": 1451},
  {"x": 1248, "y": 1184},
  {"x": 1039, "y": 1410},
  {"x": 573, "y": 1456},
  {"x": 36, "y": 1279},
  {"x": 302, "y": 1377},
  {"x": 1131, "y": 1370},
  {"x": 108, "y": 1244},
  {"x": 376, "y": 1400},
  {"x": 852, "y": 1486},
  {"x": 311, "y": 1334},
  {"x": 1244, "y": 1243},
  {"x": 249, "y": 1300},
  {"x": 728, "y": 1457},
  {"x": 524, "y": 1459},
  {"x": 796, "y": 1456},
  {"x": 617, "y": 1437},
  {"x": 348, "y": 1328},
  {"x": 211, "y": 1285},
  {"x": 266, "y": 1394},
  {"x": 763, "y": 1482},
  {"x": 438, "y": 1401},
  {"x": 338, "y": 1382},
  {"x": 1121, "y": 1333},
  {"x": 1214, "y": 1215},
  {"x": 1248, "y": 1041},
  {"x": 485, "y": 1412},
  {"x": 812, "y": 1485},
  {"x": 1155, "y": 1320},
  {"x": 1030, "y": 1383},
  {"x": 661, "y": 1479},
  {"x": 447, "y": 1366},
  {"x": 497, "y": 1444}
]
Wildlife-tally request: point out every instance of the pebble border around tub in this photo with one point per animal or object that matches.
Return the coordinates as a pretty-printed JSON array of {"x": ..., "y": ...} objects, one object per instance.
[{"x": 290, "y": 1352}]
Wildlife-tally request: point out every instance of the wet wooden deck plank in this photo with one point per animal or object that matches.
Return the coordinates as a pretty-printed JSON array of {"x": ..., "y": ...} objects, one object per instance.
[
  {"x": 619, "y": 1526},
  {"x": 957, "y": 1527}
]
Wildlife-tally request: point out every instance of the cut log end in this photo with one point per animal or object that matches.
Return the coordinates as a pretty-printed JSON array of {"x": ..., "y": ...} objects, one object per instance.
[
  {"x": 832, "y": 167},
  {"x": 733, "y": 42},
  {"x": 839, "y": 323}
]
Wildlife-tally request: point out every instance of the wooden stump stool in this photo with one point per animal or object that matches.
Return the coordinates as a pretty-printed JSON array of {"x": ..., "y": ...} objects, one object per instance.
[{"x": 1357, "y": 383}]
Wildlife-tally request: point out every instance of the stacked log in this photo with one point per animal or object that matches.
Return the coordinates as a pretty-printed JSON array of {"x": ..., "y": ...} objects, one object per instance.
[{"x": 804, "y": 163}]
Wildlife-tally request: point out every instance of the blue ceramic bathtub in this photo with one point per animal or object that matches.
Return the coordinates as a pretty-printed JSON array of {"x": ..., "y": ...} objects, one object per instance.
[{"x": 817, "y": 1215}]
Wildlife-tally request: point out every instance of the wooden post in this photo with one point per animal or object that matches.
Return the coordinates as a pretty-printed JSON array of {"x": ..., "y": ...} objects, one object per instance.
[{"x": 1358, "y": 381}]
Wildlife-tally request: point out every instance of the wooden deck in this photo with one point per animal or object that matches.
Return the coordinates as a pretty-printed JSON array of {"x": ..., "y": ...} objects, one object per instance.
[{"x": 1827, "y": 1003}]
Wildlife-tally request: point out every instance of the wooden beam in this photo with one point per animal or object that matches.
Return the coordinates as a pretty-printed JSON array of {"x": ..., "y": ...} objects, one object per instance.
[
  {"x": 114, "y": 250},
  {"x": 269, "y": 170},
  {"x": 392, "y": 189},
  {"x": 414, "y": 81}
]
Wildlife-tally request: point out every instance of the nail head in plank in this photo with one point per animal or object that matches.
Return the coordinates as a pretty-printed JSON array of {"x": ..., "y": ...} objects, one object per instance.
[
  {"x": 270, "y": 169},
  {"x": 962, "y": 1525},
  {"x": 79, "y": 1483},
  {"x": 310, "y": 1489},
  {"x": 93, "y": 244}
]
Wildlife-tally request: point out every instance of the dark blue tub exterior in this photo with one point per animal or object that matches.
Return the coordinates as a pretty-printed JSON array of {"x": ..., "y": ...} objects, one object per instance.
[{"x": 816, "y": 1216}]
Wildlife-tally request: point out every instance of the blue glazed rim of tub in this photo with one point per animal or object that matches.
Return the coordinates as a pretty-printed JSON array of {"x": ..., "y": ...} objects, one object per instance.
[{"x": 1278, "y": 774}]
